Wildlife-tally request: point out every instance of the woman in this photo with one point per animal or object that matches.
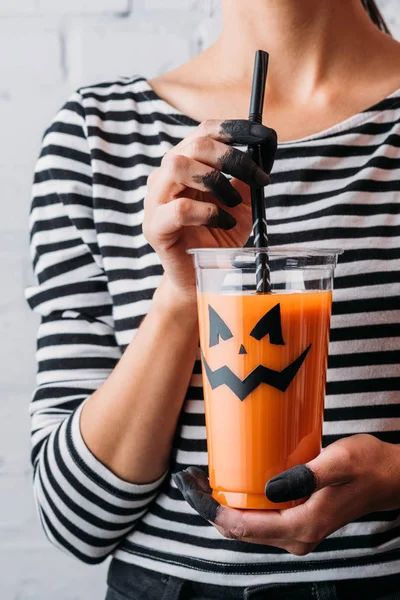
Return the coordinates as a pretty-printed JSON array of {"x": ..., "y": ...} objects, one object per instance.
[{"x": 118, "y": 407}]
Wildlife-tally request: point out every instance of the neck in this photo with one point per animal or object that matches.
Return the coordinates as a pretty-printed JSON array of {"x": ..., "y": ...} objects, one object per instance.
[{"x": 301, "y": 37}]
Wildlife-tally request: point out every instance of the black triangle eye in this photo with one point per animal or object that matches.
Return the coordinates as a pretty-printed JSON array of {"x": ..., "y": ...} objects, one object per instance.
[
  {"x": 218, "y": 329},
  {"x": 270, "y": 324}
]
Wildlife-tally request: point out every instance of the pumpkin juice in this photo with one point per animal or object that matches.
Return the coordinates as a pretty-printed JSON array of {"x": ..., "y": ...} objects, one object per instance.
[{"x": 264, "y": 371}]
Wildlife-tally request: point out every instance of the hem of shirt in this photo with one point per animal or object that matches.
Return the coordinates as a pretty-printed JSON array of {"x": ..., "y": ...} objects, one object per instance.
[{"x": 316, "y": 572}]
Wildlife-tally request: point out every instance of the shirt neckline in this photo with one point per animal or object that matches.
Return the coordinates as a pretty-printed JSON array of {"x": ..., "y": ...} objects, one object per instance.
[{"x": 388, "y": 102}]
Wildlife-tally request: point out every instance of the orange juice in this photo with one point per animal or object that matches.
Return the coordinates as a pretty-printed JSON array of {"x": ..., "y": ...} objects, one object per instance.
[{"x": 264, "y": 373}]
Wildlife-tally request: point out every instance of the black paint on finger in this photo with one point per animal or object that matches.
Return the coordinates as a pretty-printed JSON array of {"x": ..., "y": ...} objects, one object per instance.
[
  {"x": 268, "y": 151},
  {"x": 194, "y": 495},
  {"x": 245, "y": 133},
  {"x": 298, "y": 482},
  {"x": 240, "y": 165},
  {"x": 221, "y": 220},
  {"x": 200, "y": 477},
  {"x": 220, "y": 188}
]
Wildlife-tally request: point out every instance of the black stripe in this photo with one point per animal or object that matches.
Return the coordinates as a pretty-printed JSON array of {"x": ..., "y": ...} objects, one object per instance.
[
  {"x": 363, "y": 386},
  {"x": 64, "y": 267},
  {"x": 359, "y": 185},
  {"x": 347, "y": 307},
  {"x": 51, "y": 392},
  {"x": 127, "y": 139},
  {"x": 365, "y": 332},
  {"x": 64, "y": 128},
  {"x": 137, "y": 117},
  {"x": 92, "y": 286},
  {"x": 362, "y": 359},
  {"x": 127, "y": 162},
  {"x": 66, "y": 152},
  {"x": 315, "y": 175},
  {"x": 63, "y": 339},
  {"x": 328, "y": 545},
  {"x": 362, "y": 210},
  {"x": 62, "y": 175},
  {"x": 353, "y": 413}
]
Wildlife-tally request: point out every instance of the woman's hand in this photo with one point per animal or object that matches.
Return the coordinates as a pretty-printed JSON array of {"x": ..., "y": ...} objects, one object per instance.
[
  {"x": 349, "y": 479},
  {"x": 191, "y": 204}
]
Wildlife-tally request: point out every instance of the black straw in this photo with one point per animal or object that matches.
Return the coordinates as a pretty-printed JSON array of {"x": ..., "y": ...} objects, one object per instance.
[{"x": 257, "y": 194}]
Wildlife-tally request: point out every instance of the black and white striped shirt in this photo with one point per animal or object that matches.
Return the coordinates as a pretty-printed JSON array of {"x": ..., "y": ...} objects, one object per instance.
[{"x": 96, "y": 276}]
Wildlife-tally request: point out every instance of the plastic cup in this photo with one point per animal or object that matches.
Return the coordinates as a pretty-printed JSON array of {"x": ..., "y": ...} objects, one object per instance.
[{"x": 264, "y": 362}]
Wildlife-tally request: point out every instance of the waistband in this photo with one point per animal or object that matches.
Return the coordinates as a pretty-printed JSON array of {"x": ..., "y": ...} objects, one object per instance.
[{"x": 131, "y": 582}]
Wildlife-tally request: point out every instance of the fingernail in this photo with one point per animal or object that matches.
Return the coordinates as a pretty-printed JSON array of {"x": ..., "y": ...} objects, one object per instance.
[
  {"x": 298, "y": 482},
  {"x": 242, "y": 132},
  {"x": 259, "y": 131},
  {"x": 200, "y": 477},
  {"x": 222, "y": 220}
]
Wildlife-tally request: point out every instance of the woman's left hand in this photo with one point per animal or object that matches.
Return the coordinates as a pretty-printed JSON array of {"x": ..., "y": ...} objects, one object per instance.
[{"x": 349, "y": 479}]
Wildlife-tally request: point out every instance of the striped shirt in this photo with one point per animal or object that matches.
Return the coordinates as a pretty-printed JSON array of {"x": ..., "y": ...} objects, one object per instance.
[{"x": 96, "y": 276}]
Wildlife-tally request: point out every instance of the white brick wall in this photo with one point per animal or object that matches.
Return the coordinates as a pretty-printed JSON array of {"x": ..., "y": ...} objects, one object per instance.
[{"x": 48, "y": 48}]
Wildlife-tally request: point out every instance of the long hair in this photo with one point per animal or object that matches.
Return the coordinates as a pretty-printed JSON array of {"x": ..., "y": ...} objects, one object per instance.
[{"x": 375, "y": 14}]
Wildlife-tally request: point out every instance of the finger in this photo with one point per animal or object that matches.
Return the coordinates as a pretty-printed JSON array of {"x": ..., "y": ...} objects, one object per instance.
[
  {"x": 185, "y": 212},
  {"x": 226, "y": 159},
  {"x": 232, "y": 523},
  {"x": 331, "y": 467},
  {"x": 200, "y": 477},
  {"x": 194, "y": 494},
  {"x": 239, "y": 132},
  {"x": 184, "y": 171},
  {"x": 268, "y": 151}
]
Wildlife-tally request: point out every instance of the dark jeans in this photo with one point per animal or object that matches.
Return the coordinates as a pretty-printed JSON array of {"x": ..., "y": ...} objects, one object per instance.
[{"x": 128, "y": 582}]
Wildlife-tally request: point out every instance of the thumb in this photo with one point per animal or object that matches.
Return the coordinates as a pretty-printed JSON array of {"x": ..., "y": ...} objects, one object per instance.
[{"x": 329, "y": 468}]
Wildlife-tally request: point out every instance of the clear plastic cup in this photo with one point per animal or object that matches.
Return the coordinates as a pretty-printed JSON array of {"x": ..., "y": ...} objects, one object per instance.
[{"x": 264, "y": 365}]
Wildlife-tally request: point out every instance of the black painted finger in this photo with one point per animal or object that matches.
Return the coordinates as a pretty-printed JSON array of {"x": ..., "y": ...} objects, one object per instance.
[
  {"x": 182, "y": 170},
  {"x": 193, "y": 493},
  {"x": 244, "y": 133},
  {"x": 219, "y": 187},
  {"x": 200, "y": 477},
  {"x": 293, "y": 484},
  {"x": 268, "y": 151},
  {"x": 240, "y": 165},
  {"x": 221, "y": 220}
]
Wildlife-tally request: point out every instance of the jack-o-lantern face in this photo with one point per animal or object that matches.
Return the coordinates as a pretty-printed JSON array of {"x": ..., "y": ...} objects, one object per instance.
[{"x": 269, "y": 324}]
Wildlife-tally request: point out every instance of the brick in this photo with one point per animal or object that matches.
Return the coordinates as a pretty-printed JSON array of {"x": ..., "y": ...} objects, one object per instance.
[
  {"x": 17, "y": 325},
  {"x": 181, "y": 5},
  {"x": 39, "y": 572},
  {"x": 390, "y": 10},
  {"x": 84, "y": 6},
  {"x": 112, "y": 48},
  {"x": 32, "y": 55},
  {"x": 208, "y": 31},
  {"x": 17, "y": 7},
  {"x": 23, "y": 121}
]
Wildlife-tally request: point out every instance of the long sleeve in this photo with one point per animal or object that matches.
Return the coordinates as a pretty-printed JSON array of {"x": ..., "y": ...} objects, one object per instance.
[{"x": 83, "y": 507}]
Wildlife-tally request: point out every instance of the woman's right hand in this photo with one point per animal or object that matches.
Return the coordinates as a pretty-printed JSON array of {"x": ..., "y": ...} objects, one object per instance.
[{"x": 191, "y": 204}]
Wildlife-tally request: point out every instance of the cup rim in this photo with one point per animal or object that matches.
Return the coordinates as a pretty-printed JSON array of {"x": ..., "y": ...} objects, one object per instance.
[{"x": 273, "y": 251}]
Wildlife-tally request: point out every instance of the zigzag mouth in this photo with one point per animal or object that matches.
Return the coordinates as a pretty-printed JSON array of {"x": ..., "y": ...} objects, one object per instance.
[{"x": 279, "y": 380}]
